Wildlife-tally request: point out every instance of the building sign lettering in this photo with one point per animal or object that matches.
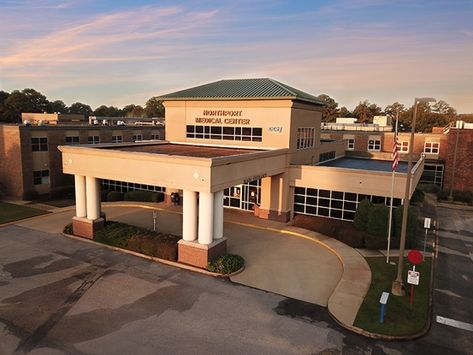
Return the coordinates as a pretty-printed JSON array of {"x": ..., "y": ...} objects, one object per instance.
[
  {"x": 218, "y": 120},
  {"x": 228, "y": 117},
  {"x": 275, "y": 129}
]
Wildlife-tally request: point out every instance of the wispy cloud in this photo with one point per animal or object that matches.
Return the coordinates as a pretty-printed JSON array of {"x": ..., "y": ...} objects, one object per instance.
[{"x": 111, "y": 34}]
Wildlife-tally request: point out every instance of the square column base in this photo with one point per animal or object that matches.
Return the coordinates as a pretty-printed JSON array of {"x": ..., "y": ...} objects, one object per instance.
[
  {"x": 272, "y": 215},
  {"x": 195, "y": 254},
  {"x": 83, "y": 227}
]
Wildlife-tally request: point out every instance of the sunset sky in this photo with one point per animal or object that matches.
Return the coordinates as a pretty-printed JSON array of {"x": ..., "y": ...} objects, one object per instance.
[{"x": 120, "y": 52}]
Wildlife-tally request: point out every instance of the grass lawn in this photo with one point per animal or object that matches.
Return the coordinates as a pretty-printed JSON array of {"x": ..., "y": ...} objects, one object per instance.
[
  {"x": 10, "y": 212},
  {"x": 60, "y": 203},
  {"x": 401, "y": 318}
]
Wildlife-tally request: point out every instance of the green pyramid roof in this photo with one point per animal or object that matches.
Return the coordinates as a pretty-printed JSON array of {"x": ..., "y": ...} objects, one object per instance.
[{"x": 242, "y": 89}]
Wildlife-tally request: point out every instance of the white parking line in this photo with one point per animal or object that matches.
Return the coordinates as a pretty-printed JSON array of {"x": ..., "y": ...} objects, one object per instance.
[{"x": 455, "y": 323}]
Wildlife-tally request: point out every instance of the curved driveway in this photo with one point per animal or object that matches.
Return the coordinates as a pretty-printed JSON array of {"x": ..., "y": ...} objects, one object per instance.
[{"x": 276, "y": 261}]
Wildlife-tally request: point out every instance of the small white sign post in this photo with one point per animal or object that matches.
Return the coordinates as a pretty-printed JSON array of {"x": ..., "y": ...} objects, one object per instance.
[
  {"x": 427, "y": 227},
  {"x": 155, "y": 216},
  {"x": 413, "y": 278},
  {"x": 383, "y": 301}
]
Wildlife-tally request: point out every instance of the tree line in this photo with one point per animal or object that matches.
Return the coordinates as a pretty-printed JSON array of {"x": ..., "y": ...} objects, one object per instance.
[
  {"x": 437, "y": 114},
  {"x": 29, "y": 100}
]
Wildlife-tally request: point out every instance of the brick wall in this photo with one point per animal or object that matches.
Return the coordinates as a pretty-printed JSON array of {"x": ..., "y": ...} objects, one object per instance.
[
  {"x": 11, "y": 176},
  {"x": 16, "y": 156},
  {"x": 463, "y": 167}
]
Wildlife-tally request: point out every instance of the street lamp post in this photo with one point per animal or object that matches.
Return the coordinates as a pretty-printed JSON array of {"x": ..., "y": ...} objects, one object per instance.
[{"x": 397, "y": 286}]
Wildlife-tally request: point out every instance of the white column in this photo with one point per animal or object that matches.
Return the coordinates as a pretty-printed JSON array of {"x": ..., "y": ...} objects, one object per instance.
[
  {"x": 189, "y": 215},
  {"x": 81, "y": 207},
  {"x": 93, "y": 197},
  {"x": 206, "y": 213},
  {"x": 218, "y": 215}
]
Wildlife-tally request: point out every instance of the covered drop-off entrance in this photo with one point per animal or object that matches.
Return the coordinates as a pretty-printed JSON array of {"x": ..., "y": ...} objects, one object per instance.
[{"x": 202, "y": 172}]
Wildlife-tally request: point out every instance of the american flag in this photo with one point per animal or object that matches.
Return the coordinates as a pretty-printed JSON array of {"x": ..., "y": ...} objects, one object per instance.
[{"x": 395, "y": 153}]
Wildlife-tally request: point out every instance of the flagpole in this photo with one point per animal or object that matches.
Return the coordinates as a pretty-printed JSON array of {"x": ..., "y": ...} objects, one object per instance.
[{"x": 392, "y": 194}]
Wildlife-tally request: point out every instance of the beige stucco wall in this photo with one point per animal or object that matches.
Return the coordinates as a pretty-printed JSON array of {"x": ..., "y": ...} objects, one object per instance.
[
  {"x": 352, "y": 180},
  {"x": 190, "y": 173},
  {"x": 278, "y": 119}
]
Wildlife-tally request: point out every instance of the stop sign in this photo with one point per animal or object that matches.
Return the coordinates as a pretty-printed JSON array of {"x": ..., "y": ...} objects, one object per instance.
[{"x": 415, "y": 257}]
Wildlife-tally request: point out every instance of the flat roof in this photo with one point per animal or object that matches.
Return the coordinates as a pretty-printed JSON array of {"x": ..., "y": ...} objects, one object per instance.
[
  {"x": 185, "y": 150},
  {"x": 364, "y": 164}
]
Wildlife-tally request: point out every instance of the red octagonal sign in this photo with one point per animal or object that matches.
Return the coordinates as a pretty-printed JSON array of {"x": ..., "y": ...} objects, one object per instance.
[{"x": 415, "y": 257}]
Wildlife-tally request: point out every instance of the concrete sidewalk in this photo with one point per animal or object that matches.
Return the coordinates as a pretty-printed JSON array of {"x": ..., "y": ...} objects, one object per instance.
[{"x": 290, "y": 261}]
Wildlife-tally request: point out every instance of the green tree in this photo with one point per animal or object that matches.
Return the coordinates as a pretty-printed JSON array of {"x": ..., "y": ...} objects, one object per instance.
[
  {"x": 107, "y": 111},
  {"x": 330, "y": 111},
  {"x": 437, "y": 115},
  {"x": 154, "y": 108},
  {"x": 344, "y": 112},
  {"x": 27, "y": 100},
  {"x": 3, "y": 96},
  {"x": 133, "y": 111},
  {"x": 57, "y": 106},
  {"x": 365, "y": 111},
  {"x": 79, "y": 108},
  {"x": 362, "y": 112}
]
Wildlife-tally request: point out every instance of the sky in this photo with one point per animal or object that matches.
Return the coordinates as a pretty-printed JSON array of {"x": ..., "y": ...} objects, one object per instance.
[{"x": 118, "y": 52}]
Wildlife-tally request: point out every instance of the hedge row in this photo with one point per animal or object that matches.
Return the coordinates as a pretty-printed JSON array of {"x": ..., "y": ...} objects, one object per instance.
[
  {"x": 138, "y": 239},
  {"x": 459, "y": 196},
  {"x": 373, "y": 220},
  {"x": 136, "y": 195}
]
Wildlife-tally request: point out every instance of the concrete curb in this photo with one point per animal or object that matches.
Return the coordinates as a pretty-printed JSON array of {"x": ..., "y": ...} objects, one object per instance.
[{"x": 420, "y": 334}]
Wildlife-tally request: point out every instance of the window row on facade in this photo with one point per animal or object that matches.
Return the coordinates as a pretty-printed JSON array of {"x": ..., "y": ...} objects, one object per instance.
[
  {"x": 333, "y": 204},
  {"x": 253, "y": 134},
  {"x": 40, "y": 144},
  {"x": 374, "y": 145},
  {"x": 123, "y": 186}
]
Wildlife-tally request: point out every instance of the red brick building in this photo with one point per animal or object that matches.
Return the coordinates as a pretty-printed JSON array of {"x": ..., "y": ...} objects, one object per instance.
[
  {"x": 438, "y": 147},
  {"x": 30, "y": 163}
]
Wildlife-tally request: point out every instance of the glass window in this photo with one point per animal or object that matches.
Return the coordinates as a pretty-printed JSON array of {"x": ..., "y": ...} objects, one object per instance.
[
  {"x": 351, "y": 144},
  {"x": 404, "y": 147},
  {"x": 431, "y": 147},
  {"x": 39, "y": 144},
  {"x": 93, "y": 139},
  {"x": 305, "y": 137},
  {"x": 40, "y": 177},
  {"x": 72, "y": 140},
  {"x": 117, "y": 139},
  {"x": 374, "y": 145}
]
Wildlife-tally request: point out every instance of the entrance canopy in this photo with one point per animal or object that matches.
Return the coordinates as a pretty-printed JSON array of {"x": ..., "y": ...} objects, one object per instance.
[{"x": 182, "y": 166}]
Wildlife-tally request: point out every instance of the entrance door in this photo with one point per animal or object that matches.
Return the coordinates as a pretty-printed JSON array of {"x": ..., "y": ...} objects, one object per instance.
[{"x": 243, "y": 196}]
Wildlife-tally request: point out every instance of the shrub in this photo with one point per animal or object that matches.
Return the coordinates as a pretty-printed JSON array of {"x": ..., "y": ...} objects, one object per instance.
[
  {"x": 103, "y": 195},
  {"x": 350, "y": 236},
  {"x": 68, "y": 229},
  {"x": 161, "y": 246},
  {"x": 114, "y": 196},
  {"x": 144, "y": 196},
  {"x": 375, "y": 241},
  {"x": 417, "y": 196},
  {"x": 378, "y": 216},
  {"x": 361, "y": 214},
  {"x": 429, "y": 188},
  {"x": 226, "y": 264},
  {"x": 442, "y": 195},
  {"x": 462, "y": 196},
  {"x": 411, "y": 225}
]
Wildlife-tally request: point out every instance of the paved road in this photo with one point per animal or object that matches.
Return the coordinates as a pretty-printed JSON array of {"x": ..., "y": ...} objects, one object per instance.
[
  {"x": 453, "y": 287},
  {"x": 266, "y": 253},
  {"x": 60, "y": 296}
]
